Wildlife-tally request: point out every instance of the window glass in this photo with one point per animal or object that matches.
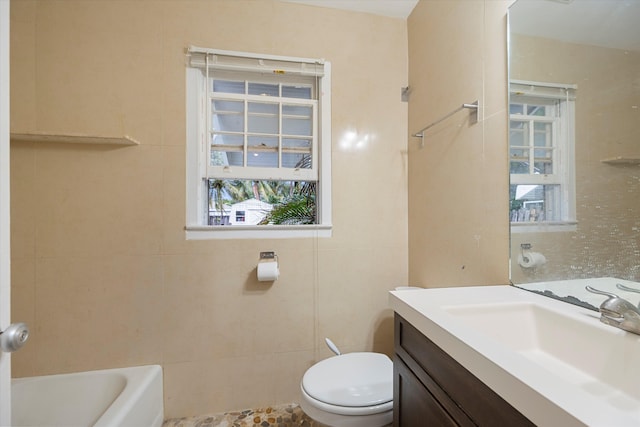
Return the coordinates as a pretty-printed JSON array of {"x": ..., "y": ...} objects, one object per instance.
[
  {"x": 263, "y": 118},
  {"x": 296, "y": 153},
  {"x": 303, "y": 92},
  {"x": 228, "y": 86},
  {"x": 264, "y": 89},
  {"x": 226, "y": 150},
  {"x": 535, "y": 203},
  {"x": 228, "y": 116},
  {"x": 262, "y": 151},
  {"x": 261, "y": 202},
  {"x": 297, "y": 120}
]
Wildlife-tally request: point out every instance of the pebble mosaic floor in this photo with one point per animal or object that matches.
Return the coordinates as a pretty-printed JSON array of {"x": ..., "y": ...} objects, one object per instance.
[{"x": 276, "y": 416}]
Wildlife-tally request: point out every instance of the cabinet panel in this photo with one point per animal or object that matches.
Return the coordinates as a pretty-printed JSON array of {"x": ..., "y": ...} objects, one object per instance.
[
  {"x": 414, "y": 405},
  {"x": 474, "y": 398}
]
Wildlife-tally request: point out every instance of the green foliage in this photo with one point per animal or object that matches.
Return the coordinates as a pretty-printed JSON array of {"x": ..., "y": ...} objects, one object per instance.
[{"x": 297, "y": 209}]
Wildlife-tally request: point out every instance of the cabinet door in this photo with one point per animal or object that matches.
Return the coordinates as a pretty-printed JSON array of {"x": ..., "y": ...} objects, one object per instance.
[
  {"x": 414, "y": 404},
  {"x": 462, "y": 395}
]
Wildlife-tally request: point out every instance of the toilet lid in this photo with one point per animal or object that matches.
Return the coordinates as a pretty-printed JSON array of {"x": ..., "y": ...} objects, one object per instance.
[{"x": 353, "y": 379}]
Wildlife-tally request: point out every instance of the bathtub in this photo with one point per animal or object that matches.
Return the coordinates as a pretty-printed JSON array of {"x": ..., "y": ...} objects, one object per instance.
[{"x": 105, "y": 398}]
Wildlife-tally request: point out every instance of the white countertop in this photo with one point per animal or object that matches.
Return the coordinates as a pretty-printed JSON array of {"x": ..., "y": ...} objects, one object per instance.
[{"x": 537, "y": 388}]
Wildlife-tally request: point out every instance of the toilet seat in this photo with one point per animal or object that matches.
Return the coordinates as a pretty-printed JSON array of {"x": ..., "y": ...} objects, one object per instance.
[
  {"x": 350, "y": 384},
  {"x": 346, "y": 410}
]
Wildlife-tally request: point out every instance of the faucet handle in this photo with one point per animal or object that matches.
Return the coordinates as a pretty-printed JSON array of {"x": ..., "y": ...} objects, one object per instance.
[
  {"x": 614, "y": 306},
  {"x": 599, "y": 292},
  {"x": 618, "y": 312},
  {"x": 628, "y": 289}
]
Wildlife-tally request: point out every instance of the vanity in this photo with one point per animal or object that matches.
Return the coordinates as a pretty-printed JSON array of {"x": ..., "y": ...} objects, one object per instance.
[
  {"x": 430, "y": 385},
  {"x": 499, "y": 355}
]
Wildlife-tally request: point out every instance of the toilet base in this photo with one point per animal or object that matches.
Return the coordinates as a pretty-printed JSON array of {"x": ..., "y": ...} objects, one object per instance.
[{"x": 382, "y": 419}]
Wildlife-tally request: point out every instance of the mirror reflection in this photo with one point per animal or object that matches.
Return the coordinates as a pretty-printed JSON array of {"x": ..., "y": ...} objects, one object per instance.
[{"x": 574, "y": 146}]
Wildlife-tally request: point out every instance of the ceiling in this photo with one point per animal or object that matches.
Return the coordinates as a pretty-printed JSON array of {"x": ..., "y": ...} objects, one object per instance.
[
  {"x": 606, "y": 23},
  {"x": 392, "y": 8}
]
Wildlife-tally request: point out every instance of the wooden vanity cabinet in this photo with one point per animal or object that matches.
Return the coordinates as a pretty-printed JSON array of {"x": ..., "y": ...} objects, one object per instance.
[{"x": 431, "y": 389}]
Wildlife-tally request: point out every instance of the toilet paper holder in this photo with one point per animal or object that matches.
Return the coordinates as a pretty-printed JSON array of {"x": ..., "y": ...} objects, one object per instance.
[
  {"x": 268, "y": 269},
  {"x": 530, "y": 259},
  {"x": 525, "y": 247}
]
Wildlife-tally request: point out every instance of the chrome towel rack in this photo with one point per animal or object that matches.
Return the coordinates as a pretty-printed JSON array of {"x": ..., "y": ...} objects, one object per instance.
[{"x": 474, "y": 106}]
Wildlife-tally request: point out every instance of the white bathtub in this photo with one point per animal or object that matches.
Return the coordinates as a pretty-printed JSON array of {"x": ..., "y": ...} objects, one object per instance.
[{"x": 106, "y": 398}]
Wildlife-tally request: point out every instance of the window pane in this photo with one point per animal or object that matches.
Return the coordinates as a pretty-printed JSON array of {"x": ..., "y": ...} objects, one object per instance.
[
  {"x": 543, "y": 134},
  {"x": 543, "y": 161},
  {"x": 227, "y": 150},
  {"x": 262, "y": 152},
  {"x": 296, "y": 120},
  {"x": 518, "y": 133},
  {"x": 296, "y": 161},
  {"x": 518, "y": 167},
  {"x": 519, "y": 147},
  {"x": 543, "y": 141},
  {"x": 516, "y": 109},
  {"x": 228, "y": 116},
  {"x": 303, "y": 92},
  {"x": 259, "y": 202},
  {"x": 264, "y": 89},
  {"x": 537, "y": 110},
  {"x": 296, "y": 153},
  {"x": 535, "y": 203},
  {"x": 228, "y": 86},
  {"x": 263, "y": 118}
]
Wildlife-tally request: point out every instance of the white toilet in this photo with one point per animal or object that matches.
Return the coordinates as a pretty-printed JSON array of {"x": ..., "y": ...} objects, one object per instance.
[{"x": 350, "y": 390}]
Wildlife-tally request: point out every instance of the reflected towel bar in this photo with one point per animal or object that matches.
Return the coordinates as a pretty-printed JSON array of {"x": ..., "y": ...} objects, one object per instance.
[{"x": 474, "y": 119}]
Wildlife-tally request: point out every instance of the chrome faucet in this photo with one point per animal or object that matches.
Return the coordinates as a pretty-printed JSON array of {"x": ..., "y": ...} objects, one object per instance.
[{"x": 618, "y": 312}]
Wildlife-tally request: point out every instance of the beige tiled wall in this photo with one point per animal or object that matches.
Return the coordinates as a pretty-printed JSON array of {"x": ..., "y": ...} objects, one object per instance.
[
  {"x": 101, "y": 269},
  {"x": 458, "y": 183}
]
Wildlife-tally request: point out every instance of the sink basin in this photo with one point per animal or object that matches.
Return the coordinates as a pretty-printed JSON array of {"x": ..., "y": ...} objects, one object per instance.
[
  {"x": 554, "y": 362},
  {"x": 596, "y": 358}
]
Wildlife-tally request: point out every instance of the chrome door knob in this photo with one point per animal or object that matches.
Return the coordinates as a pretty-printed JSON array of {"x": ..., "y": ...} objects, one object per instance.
[{"x": 14, "y": 337}]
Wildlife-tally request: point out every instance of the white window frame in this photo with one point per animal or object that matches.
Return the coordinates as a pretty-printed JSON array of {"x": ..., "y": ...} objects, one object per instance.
[
  {"x": 563, "y": 153},
  {"x": 197, "y": 152}
]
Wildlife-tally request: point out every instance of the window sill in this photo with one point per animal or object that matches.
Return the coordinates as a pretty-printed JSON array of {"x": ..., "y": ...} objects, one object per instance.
[
  {"x": 544, "y": 227},
  {"x": 213, "y": 232}
]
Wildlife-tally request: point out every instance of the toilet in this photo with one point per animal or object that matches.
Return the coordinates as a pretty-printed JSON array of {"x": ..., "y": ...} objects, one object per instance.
[{"x": 350, "y": 390}]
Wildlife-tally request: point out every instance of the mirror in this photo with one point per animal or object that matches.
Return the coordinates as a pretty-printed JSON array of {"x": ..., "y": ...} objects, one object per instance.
[{"x": 574, "y": 146}]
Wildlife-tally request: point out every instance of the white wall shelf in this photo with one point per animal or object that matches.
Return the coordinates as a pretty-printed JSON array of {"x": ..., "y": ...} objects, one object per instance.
[
  {"x": 622, "y": 160},
  {"x": 73, "y": 138}
]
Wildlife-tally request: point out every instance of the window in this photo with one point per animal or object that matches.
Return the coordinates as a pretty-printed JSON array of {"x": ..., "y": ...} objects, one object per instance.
[
  {"x": 258, "y": 145},
  {"x": 541, "y": 156}
]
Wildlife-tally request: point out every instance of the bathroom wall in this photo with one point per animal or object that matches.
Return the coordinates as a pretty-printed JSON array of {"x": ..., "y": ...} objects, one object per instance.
[
  {"x": 458, "y": 183},
  {"x": 101, "y": 269},
  {"x": 605, "y": 242}
]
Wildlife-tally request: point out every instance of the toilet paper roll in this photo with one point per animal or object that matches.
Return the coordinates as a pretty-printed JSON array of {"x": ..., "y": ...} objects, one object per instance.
[
  {"x": 268, "y": 271},
  {"x": 531, "y": 260}
]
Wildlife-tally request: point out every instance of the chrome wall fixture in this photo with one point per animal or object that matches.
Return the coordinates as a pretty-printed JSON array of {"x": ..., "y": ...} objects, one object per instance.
[{"x": 473, "y": 118}]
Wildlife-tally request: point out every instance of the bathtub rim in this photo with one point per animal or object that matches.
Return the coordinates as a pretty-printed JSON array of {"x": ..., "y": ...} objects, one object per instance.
[{"x": 139, "y": 389}]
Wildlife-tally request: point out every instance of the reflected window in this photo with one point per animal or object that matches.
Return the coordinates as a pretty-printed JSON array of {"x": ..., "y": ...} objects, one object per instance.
[{"x": 541, "y": 153}]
